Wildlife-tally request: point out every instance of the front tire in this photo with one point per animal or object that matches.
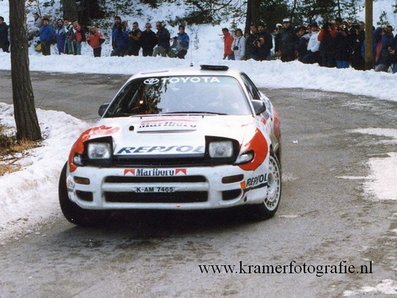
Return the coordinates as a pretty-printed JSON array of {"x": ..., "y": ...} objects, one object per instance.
[
  {"x": 270, "y": 204},
  {"x": 75, "y": 214}
]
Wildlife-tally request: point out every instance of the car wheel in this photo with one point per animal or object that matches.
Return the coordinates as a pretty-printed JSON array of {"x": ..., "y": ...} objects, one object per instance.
[
  {"x": 272, "y": 198},
  {"x": 75, "y": 214}
]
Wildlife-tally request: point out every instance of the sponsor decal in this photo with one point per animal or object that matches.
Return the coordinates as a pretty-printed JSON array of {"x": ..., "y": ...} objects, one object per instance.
[
  {"x": 161, "y": 149},
  {"x": 254, "y": 182},
  {"x": 259, "y": 145},
  {"x": 156, "y": 125},
  {"x": 151, "y": 81},
  {"x": 176, "y": 80},
  {"x": 144, "y": 172}
]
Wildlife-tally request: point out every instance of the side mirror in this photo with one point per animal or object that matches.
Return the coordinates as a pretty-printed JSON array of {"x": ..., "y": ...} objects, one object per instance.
[
  {"x": 102, "y": 109},
  {"x": 259, "y": 106}
]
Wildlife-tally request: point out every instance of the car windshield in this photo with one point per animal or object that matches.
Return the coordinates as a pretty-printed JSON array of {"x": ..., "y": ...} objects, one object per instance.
[{"x": 180, "y": 94}]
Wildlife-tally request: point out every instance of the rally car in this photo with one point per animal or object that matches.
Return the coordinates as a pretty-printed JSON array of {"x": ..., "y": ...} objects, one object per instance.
[{"x": 181, "y": 139}]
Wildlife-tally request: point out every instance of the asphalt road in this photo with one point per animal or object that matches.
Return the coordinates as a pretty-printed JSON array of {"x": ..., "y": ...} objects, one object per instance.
[{"x": 322, "y": 219}]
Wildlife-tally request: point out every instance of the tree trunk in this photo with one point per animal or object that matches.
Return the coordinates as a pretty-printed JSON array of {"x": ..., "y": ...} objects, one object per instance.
[
  {"x": 22, "y": 91},
  {"x": 252, "y": 14},
  {"x": 369, "y": 55},
  {"x": 70, "y": 11}
]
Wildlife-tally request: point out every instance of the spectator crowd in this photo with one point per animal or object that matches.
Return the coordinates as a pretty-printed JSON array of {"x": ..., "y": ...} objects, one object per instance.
[{"x": 337, "y": 43}]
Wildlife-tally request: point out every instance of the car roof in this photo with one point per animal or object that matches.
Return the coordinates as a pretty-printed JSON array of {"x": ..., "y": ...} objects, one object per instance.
[{"x": 207, "y": 70}]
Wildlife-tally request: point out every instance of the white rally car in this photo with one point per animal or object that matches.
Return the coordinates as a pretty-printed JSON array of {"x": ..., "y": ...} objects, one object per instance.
[{"x": 182, "y": 139}]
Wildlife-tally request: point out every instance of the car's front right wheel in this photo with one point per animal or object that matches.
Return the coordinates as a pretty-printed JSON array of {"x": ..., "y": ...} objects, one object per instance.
[
  {"x": 271, "y": 201},
  {"x": 75, "y": 214}
]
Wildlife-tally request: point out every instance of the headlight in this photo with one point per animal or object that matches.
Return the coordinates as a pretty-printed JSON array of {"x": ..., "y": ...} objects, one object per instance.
[
  {"x": 99, "y": 151},
  {"x": 221, "y": 149}
]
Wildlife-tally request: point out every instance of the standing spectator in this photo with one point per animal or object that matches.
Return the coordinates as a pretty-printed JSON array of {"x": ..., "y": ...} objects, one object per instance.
[
  {"x": 238, "y": 45},
  {"x": 163, "y": 40},
  {"x": 277, "y": 39},
  {"x": 95, "y": 39},
  {"x": 46, "y": 37},
  {"x": 343, "y": 48},
  {"x": 393, "y": 54},
  {"x": 68, "y": 37},
  {"x": 119, "y": 38},
  {"x": 4, "y": 42},
  {"x": 266, "y": 43},
  {"x": 357, "y": 36},
  {"x": 148, "y": 40},
  {"x": 227, "y": 44},
  {"x": 251, "y": 45},
  {"x": 327, "y": 45},
  {"x": 78, "y": 38},
  {"x": 301, "y": 47},
  {"x": 182, "y": 42},
  {"x": 134, "y": 40},
  {"x": 313, "y": 46},
  {"x": 60, "y": 34},
  {"x": 383, "y": 47},
  {"x": 287, "y": 42}
]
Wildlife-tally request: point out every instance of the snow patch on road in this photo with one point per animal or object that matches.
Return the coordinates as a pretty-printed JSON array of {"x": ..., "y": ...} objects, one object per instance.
[
  {"x": 381, "y": 182},
  {"x": 387, "y": 287},
  {"x": 29, "y": 196}
]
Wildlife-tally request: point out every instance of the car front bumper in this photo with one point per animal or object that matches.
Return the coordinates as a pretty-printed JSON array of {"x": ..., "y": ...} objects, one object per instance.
[{"x": 165, "y": 188}]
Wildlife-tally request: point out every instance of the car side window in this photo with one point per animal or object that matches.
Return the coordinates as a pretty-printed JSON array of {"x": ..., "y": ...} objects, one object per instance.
[{"x": 250, "y": 87}]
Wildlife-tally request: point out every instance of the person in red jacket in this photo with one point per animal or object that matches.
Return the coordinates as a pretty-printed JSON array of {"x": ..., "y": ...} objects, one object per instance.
[
  {"x": 95, "y": 39},
  {"x": 227, "y": 40}
]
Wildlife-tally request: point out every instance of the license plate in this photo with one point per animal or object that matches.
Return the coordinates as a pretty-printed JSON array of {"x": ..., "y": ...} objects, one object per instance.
[{"x": 154, "y": 189}]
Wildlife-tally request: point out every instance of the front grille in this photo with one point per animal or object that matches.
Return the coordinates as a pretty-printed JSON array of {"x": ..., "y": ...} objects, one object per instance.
[
  {"x": 129, "y": 179},
  {"x": 159, "y": 162},
  {"x": 175, "y": 197}
]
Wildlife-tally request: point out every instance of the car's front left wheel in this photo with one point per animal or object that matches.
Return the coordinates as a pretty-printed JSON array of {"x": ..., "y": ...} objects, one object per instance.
[
  {"x": 271, "y": 201},
  {"x": 75, "y": 214}
]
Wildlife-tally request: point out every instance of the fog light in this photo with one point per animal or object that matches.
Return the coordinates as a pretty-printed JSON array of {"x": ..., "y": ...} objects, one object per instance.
[{"x": 232, "y": 179}]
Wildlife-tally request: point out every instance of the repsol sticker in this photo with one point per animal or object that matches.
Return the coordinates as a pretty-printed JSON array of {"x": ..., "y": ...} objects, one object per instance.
[
  {"x": 161, "y": 149},
  {"x": 176, "y": 80},
  {"x": 155, "y": 172},
  {"x": 256, "y": 181}
]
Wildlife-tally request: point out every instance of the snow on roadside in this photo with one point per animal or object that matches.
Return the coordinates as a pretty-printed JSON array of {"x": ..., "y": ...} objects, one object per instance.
[
  {"x": 386, "y": 287},
  {"x": 267, "y": 74},
  {"x": 30, "y": 195},
  {"x": 381, "y": 182}
]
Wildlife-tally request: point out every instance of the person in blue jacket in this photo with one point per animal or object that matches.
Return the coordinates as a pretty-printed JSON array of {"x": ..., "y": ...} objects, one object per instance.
[
  {"x": 60, "y": 34},
  {"x": 182, "y": 42},
  {"x": 119, "y": 38},
  {"x": 46, "y": 37}
]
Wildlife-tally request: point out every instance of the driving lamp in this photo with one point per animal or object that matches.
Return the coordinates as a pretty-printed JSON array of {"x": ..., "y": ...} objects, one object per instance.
[
  {"x": 221, "y": 149},
  {"x": 99, "y": 151}
]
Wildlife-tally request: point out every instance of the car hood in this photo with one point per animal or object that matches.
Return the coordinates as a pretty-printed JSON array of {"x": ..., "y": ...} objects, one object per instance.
[{"x": 172, "y": 135}]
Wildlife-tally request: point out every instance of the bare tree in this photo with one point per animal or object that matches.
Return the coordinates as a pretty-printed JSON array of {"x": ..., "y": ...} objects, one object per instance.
[
  {"x": 252, "y": 13},
  {"x": 22, "y": 92},
  {"x": 369, "y": 57}
]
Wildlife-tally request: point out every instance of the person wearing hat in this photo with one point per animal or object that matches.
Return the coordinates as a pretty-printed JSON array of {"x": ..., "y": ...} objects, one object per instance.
[
  {"x": 46, "y": 37},
  {"x": 288, "y": 41}
]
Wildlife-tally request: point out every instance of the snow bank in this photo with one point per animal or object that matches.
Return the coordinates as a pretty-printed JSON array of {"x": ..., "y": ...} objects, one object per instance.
[{"x": 30, "y": 195}]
